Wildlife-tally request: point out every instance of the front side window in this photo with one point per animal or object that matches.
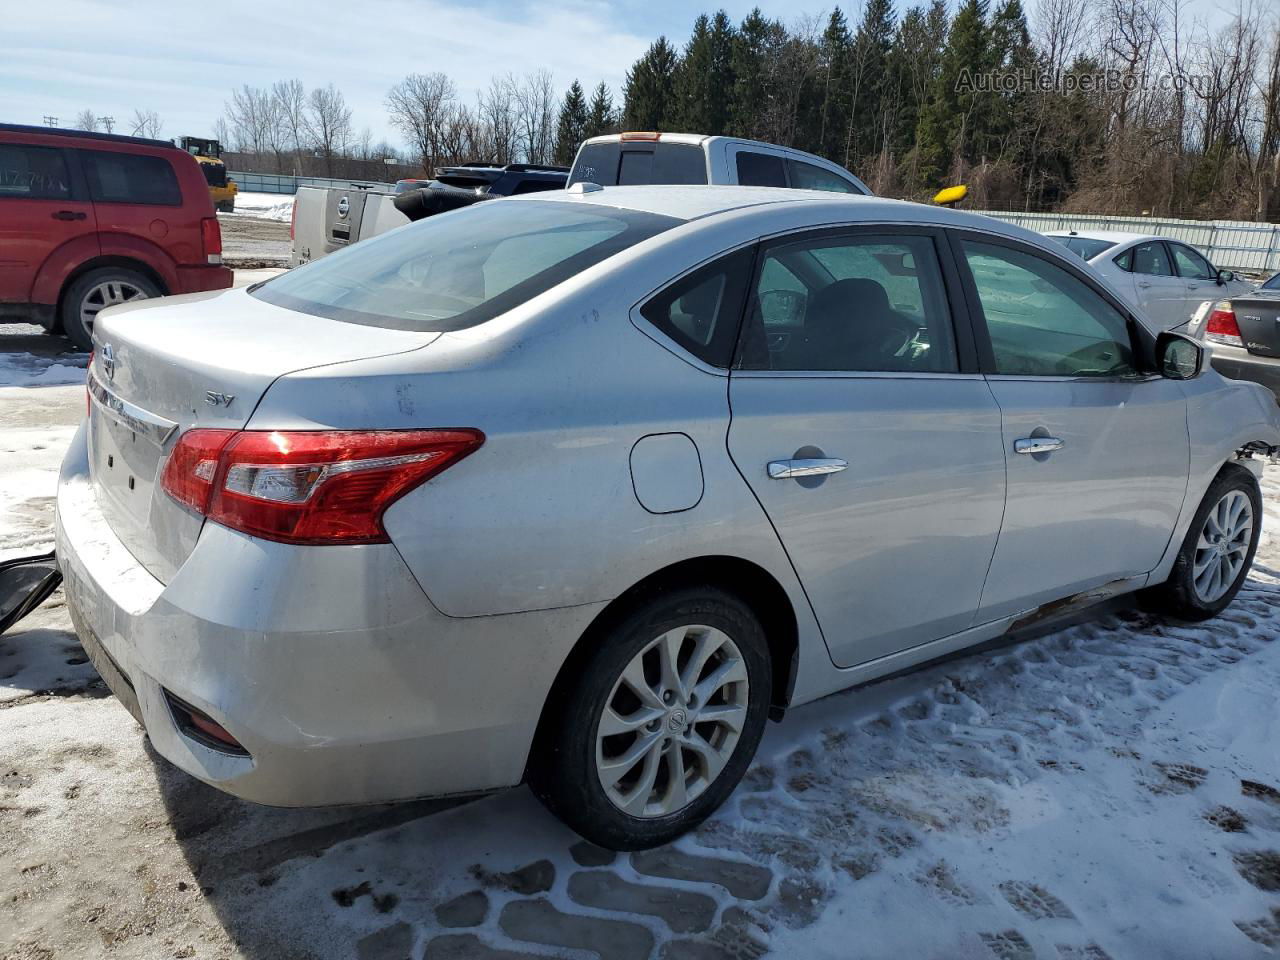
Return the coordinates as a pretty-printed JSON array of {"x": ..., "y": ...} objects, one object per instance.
[
  {"x": 33, "y": 173},
  {"x": 701, "y": 311},
  {"x": 1190, "y": 264},
  {"x": 1042, "y": 320},
  {"x": 1152, "y": 259},
  {"x": 760, "y": 170},
  {"x": 866, "y": 303},
  {"x": 130, "y": 178},
  {"x": 459, "y": 269},
  {"x": 808, "y": 176}
]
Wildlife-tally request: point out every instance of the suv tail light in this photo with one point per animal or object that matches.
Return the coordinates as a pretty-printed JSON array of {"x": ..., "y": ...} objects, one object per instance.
[
  {"x": 1222, "y": 327},
  {"x": 308, "y": 487},
  {"x": 211, "y": 239}
]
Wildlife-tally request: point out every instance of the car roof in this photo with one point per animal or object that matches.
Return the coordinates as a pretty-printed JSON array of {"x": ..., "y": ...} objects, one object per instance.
[
  {"x": 85, "y": 135},
  {"x": 698, "y": 202},
  {"x": 1107, "y": 236}
]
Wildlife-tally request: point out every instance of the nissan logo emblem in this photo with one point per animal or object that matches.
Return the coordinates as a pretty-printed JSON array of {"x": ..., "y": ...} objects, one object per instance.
[{"x": 344, "y": 207}]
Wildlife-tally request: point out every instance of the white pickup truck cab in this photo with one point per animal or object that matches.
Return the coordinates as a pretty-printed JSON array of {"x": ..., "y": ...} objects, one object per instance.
[{"x": 633, "y": 159}]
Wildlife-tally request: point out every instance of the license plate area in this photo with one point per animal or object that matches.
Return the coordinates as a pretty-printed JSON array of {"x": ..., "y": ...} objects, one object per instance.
[{"x": 125, "y": 464}]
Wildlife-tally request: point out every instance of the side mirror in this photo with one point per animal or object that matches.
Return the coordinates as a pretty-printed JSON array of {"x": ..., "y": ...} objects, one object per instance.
[
  {"x": 950, "y": 196},
  {"x": 1178, "y": 357},
  {"x": 1225, "y": 276}
]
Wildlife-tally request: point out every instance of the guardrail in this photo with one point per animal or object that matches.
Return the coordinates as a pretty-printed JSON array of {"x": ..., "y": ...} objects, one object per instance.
[
  {"x": 278, "y": 183},
  {"x": 1230, "y": 244}
]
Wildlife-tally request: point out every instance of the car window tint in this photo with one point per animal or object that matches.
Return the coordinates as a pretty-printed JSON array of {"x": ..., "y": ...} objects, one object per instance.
[
  {"x": 1125, "y": 261},
  {"x": 1043, "y": 321},
  {"x": 701, "y": 311},
  {"x": 1190, "y": 264},
  {"x": 536, "y": 186},
  {"x": 1086, "y": 248},
  {"x": 130, "y": 178},
  {"x": 461, "y": 268},
  {"x": 1151, "y": 258},
  {"x": 1272, "y": 284},
  {"x": 33, "y": 173},
  {"x": 760, "y": 170},
  {"x": 636, "y": 168},
  {"x": 867, "y": 303},
  {"x": 807, "y": 176}
]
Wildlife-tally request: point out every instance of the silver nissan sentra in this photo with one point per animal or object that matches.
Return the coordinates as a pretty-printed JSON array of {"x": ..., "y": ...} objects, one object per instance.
[{"x": 580, "y": 489}]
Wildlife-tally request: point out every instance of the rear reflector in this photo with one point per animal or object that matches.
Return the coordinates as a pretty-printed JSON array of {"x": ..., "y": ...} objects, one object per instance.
[
  {"x": 202, "y": 728},
  {"x": 1222, "y": 327},
  {"x": 211, "y": 239},
  {"x": 308, "y": 487}
]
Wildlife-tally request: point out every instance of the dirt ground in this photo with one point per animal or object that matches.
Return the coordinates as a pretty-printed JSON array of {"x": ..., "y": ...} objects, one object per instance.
[{"x": 250, "y": 242}]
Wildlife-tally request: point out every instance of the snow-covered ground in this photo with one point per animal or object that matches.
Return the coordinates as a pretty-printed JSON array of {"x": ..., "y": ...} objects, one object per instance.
[
  {"x": 1112, "y": 790},
  {"x": 265, "y": 206}
]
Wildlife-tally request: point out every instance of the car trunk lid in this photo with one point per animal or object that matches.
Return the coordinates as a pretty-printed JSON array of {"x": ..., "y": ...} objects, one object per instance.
[
  {"x": 1258, "y": 317},
  {"x": 162, "y": 367}
]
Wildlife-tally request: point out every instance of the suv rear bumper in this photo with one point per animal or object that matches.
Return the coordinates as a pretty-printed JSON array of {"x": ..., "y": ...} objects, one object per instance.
[
  {"x": 200, "y": 279},
  {"x": 328, "y": 664}
]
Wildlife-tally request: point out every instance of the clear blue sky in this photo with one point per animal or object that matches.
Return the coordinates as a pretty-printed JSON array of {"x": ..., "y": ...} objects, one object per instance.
[{"x": 181, "y": 59}]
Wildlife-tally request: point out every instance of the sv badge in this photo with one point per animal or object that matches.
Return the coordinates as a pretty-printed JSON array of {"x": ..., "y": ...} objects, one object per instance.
[{"x": 216, "y": 399}]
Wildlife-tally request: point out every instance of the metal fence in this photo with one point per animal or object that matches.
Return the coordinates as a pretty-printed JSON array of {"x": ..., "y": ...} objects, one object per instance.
[
  {"x": 1230, "y": 244},
  {"x": 278, "y": 183}
]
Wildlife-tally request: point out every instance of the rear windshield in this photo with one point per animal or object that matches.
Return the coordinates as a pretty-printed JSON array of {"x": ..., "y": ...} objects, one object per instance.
[
  {"x": 1086, "y": 248},
  {"x": 459, "y": 269},
  {"x": 631, "y": 163}
]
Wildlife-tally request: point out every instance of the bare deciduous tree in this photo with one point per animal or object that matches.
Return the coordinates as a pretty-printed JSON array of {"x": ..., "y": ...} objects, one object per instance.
[
  {"x": 420, "y": 106},
  {"x": 328, "y": 122},
  {"x": 146, "y": 123},
  {"x": 87, "y": 120}
]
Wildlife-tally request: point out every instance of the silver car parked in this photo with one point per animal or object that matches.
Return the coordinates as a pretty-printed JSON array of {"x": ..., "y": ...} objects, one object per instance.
[{"x": 579, "y": 489}]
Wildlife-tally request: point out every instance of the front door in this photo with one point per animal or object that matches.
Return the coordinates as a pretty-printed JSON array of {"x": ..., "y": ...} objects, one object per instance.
[
  {"x": 1097, "y": 452},
  {"x": 1159, "y": 291},
  {"x": 1199, "y": 279},
  {"x": 877, "y": 459},
  {"x": 39, "y": 212}
]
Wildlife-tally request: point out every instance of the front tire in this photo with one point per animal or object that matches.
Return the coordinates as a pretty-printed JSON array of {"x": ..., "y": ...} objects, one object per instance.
[
  {"x": 661, "y": 722},
  {"x": 1217, "y": 551},
  {"x": 93, "y": 292}
]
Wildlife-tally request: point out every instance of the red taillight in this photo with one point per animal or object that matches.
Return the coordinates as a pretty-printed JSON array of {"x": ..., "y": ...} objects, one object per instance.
[
  {"x": 321, "y": 487},
  {"x": 293, "y": 217},
  {"x": 211, "y": 239},
  {"x": 1222, "y": 327},
  {"x": 193, "y": 466}
]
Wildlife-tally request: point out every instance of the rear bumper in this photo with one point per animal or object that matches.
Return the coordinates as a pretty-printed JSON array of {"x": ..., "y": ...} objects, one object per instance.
[
  {"x": 200, "y": 279},
  {"x": 1238, "y": 363},
  {"x": 328, "y": 664}
]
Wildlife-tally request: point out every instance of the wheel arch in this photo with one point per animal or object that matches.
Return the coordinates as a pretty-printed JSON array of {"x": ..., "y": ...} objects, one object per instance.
[
  {"x": 105, "y": 260},
  {"x": 749, "y": 582}
]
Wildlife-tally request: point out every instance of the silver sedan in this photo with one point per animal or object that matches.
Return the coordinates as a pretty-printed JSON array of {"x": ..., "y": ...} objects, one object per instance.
[{"x": 581, "y": 489}]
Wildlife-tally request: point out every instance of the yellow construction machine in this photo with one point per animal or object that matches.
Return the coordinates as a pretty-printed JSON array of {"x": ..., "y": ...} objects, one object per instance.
[{"x": 208, "y": 153}]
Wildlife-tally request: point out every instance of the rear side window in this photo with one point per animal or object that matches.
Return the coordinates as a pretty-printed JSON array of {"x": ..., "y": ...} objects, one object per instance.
[
  {"x": 1042, "y": 320},
  {"x": 701, "y": 312},
  {"x": 808, "y": 176},
  {"x": 130, "y": 178},
  {"x": 459, "y": 269},
  {"x": 760, "y": 170},
  {"x": 33, "y": 173}
]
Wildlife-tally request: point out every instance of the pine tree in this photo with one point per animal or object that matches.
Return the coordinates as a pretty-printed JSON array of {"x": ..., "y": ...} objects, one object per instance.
[
  {"x": 691, "y": 79},
  {"x": 600, "y": 116},
  {"x": 869, "y": 80},
  {"x": 571, "y": 130},
  {"x": 954, "y": 125},
  {"x": 749, "y": 78},
  {"x": 719, "y": 97},
  {"x": 649, "y": 95},
  {"x": 833, "y": 120}
]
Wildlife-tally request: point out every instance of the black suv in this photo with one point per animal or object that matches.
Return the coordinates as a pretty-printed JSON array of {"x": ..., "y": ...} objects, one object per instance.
[{"x": 505, "y": 180}]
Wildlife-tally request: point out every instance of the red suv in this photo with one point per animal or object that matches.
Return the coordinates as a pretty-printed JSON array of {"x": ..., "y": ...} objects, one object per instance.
[{"x": 88, "y": 220}]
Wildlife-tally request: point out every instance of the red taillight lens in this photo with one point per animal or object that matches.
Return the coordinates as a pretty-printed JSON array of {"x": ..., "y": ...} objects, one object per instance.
[
  {"x": 309, "y": 487},
  {"x": 211, "y": 239},
  {"x": 1222, "y": 327},
  {"x": 192, "y": 467},
  {"x": 293, "y": 217}
]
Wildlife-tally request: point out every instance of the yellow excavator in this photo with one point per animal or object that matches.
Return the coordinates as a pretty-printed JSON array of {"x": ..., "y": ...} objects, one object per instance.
[{"x": 208, "y": 153}]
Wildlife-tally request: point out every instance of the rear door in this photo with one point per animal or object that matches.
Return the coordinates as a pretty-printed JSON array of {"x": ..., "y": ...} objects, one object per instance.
[
  {"x": 42, "y": 206},
  {"x": 1097, "y": 452},
  {"x": 862, "y": 426}
]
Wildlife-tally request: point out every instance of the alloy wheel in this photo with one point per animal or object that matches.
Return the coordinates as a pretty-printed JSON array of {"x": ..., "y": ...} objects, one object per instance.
[
  {"x": 107, "y": 294},
  {"x": 1222, "y": 546},
  {"x": 672, "y": 721}
]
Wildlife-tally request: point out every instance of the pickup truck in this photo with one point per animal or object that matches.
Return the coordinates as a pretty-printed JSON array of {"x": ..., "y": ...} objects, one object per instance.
[{"x": 325, "y": 220}]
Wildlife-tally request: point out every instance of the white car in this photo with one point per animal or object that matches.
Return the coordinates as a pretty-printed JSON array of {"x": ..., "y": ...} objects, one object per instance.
[{"x": 1166, "y": 279}]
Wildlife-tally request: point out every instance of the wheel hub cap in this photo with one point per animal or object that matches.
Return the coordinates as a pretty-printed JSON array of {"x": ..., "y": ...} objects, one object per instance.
[
  {"x": 672, "y": 721},
  {"x": 1222, "y": 546}
]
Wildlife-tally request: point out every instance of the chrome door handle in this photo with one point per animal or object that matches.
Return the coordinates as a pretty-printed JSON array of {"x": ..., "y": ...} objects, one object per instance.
[
  {"x": 782, "y": 469},
  {"x": 1143, "y": 284},
  {"x": 1037, "y": 445}
]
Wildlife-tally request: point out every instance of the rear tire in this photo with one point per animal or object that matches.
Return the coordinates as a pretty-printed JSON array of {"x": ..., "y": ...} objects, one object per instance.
[
  {"x": 683, "y": 738},
  {"x": 1217, "y": 551},
  {"x": 96, "y": 290}
]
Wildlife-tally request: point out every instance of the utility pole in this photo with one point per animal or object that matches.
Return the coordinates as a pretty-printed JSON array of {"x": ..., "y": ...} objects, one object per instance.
[
  {"x": 50, "y": 121},
  {"x": 108, "y": 122}
]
